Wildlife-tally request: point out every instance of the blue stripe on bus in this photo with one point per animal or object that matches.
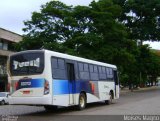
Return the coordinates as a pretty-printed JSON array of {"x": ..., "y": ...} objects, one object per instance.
[
  {"x": 66, "y": 87},
  {"x": 30, "y": 83},
  {"x": 60, "y": 87}
]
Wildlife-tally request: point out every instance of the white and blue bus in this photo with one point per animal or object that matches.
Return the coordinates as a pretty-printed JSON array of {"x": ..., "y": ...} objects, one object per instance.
[{"x": 51, "y": 79}]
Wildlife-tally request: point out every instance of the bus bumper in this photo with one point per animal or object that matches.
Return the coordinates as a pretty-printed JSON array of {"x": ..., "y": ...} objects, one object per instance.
[{"x": 30, "y": 101}]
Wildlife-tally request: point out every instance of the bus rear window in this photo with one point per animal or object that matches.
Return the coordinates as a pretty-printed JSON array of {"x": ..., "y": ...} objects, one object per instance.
[{"x": 28, "y": 63}]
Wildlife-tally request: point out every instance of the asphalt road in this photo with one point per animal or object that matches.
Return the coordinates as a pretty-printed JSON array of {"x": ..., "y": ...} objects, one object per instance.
[{"x": 144, "y": 102}]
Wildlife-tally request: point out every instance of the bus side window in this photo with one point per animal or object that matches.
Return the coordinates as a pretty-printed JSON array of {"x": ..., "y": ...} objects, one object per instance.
[
  {"x": 86, "y": 67},
  {"x": 83, "y": 71},
  {"x": 95, "y": 69},
  {"x": 109, "y": 72},
  {"x": 54, "y": 63},
  {"x": 102, "y": 73},
  {"x": 58, "y": 68},
  {"x": 93, "y": 72},
  {"x": 61, "y": 64}
]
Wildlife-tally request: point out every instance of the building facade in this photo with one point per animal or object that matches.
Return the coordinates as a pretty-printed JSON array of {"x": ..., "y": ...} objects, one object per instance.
[{"x": 7, "y": 40}]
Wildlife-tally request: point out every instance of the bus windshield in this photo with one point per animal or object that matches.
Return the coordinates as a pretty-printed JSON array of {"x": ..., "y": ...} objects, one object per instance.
[{"x": 29, "y": 63}]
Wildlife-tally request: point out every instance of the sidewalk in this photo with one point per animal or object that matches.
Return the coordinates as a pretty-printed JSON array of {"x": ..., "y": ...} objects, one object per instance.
[{"x": 126, "y": 90}]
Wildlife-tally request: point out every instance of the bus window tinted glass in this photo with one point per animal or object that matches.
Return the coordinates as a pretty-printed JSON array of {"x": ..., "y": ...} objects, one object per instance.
[
  {"x": 58, "y": 68},
  {"x": 91, "y": 68},
  {"x": 109, "y": 72},
  {"x": 100, "y": 69},
  {"x": 95, "y": 69},
  {"x": 83, "y": 71},
  {"x": 103, "y": 70},
  {"x": 54, "y": 63},
  {"x": 61, "y": 64},
  {"x": 80, "y": 66},
  {"x": 27, "y": 63},
  {"x": 85, "y": 67}
]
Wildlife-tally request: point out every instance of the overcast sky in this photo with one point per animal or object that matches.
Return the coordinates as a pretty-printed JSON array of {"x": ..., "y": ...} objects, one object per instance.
[{"x": 14, "y": 12}]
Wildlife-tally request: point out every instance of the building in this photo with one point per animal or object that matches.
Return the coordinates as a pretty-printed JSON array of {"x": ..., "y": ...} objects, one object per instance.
[{"x": 7, "y": 39}]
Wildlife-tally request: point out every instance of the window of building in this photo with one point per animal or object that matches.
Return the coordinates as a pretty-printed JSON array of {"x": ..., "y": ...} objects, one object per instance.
[
  {"x": 3, "y": 45},
  {"x": 11, "y": 46},
  {"x": 3, "y": 68}
]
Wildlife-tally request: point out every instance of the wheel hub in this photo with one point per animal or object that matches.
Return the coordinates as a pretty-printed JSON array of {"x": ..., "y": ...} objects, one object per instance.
[{"x": 82, "y": 102}]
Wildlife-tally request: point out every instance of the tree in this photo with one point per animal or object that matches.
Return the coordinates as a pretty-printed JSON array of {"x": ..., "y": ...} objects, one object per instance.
[
  {"x": 47, "y": 28},
  {"x": 142, "y": 18},
  {"x": 92, "y": 32},
  {"x": 77, "y": 30},
  {"x": 154, "y": 68}
]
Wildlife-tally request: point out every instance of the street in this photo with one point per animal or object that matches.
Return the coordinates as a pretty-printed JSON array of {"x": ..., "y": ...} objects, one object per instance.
[{"x": 144, "y": 102}]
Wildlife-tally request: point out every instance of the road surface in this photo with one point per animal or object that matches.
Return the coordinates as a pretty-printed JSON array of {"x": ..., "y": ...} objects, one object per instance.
[{"x": 144, "y": 102}]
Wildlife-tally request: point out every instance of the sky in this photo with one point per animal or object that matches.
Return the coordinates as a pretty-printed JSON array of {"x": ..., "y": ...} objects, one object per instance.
[{"x": 14, "y": 12}]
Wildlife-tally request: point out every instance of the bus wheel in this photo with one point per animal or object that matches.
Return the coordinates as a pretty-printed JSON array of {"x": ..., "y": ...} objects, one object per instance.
[
  {"x": 50, "y": 108},
  {"x": 82, "y": 101},
  {"x": 108, "y": 102}
]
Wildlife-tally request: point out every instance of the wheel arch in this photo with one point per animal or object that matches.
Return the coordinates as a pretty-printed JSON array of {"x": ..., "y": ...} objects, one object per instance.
[
  {"x": 112, "y": 93},
  {"x": 84, "y": 92}
]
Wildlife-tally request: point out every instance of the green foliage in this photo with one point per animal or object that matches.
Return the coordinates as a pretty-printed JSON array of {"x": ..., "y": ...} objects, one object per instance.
[
  {"x": 142, "y": 18},
  {"x": 153, "y": 67},
  {"x": 104, "y": 31}
]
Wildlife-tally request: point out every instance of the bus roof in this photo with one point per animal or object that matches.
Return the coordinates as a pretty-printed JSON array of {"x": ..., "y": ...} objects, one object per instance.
[{"x": 70, "y": 57}]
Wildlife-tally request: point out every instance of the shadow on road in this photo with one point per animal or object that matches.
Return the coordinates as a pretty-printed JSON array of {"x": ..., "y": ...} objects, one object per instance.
[
  {"x": 63, "y": 110},
  {"x": 125, "y": 98}
]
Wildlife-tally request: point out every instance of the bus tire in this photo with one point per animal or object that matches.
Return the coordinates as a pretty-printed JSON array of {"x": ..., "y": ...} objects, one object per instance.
[
  {"x": 108, "y": 102},
  {"x": 82, "y": 101},
  {"x": 50, "y": 108}
]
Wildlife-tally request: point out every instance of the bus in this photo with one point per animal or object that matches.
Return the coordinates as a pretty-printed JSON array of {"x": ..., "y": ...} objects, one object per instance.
[{"x": 51, "y": 79}]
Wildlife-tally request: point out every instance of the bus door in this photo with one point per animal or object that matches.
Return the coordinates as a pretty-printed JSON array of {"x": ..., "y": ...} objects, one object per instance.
[
  {"x": 116, "y": 80},
  {"x": 71, "y": 81}
]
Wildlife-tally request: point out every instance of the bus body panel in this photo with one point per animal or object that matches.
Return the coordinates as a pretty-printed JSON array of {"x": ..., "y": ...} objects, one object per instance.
[
  {"x": 104, "y": 89},
  {"x": 33, "y": 91},
  {"x": 30, "y": 95},
  {"x": 28, "y": 88},
  {"x": 45, "y": 100},
  {"x": 63, "y": 100},
  {"x": 95, "y": 91}
]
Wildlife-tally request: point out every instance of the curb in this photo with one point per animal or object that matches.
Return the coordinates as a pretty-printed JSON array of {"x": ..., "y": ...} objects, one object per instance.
[{"x": 123, "y": 91}]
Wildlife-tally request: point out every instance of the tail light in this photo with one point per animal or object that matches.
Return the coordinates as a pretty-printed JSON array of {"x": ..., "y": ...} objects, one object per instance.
[
  {"x": 46, "y": 87},
  {"x": 8, "y": 87},
  {"x": 92, "y": 87},
  {"x": 16, "y": 85}
]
